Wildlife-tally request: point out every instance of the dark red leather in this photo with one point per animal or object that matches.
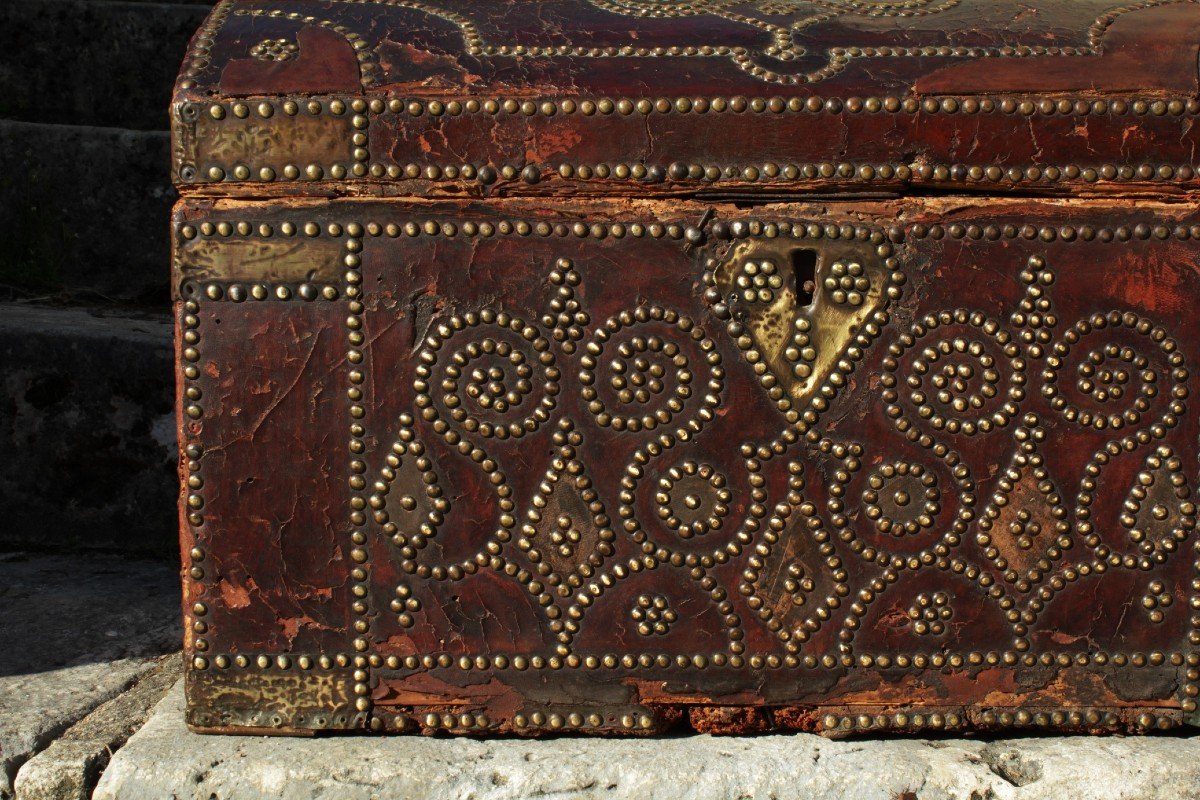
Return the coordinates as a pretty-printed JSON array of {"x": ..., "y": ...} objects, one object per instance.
[{"x": 536, "y": 393}]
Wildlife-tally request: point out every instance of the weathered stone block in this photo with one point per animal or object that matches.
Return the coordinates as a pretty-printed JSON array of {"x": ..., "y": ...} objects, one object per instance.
[
  {"x": 165, "y": 760},
  {"x": 69, "y": 768}
]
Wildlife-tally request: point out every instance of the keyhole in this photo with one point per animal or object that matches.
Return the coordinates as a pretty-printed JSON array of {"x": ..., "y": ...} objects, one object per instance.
[{"x": 804, "y": 266}]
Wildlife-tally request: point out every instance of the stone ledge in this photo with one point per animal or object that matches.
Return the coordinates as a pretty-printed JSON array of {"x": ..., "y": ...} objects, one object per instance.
[
  {"x": 87, "y": 430},
  {"x": 76, "y": 632},
  {"x": 69, "y": 768},
  {"x": 85, "y": 211},
  {"x": 165, "y": 760}
]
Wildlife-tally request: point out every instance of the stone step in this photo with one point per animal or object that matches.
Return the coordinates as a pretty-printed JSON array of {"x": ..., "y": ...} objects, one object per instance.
[
  {"x": 85, "y": 211},
  {"x": 93, "y": 62},
  {"x": 69, "y": 768},
  {"x": 165, "y": 760},
  {"x": 75, "y": 632},
  {"x": 87, "y": 430}
]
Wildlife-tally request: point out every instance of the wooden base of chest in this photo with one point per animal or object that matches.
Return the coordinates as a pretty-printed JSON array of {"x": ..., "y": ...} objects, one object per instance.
[{"x": 542, "y": 466}]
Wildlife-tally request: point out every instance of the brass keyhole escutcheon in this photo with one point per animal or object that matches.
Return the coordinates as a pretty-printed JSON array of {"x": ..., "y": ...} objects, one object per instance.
[{"x": 800, "y": 303}]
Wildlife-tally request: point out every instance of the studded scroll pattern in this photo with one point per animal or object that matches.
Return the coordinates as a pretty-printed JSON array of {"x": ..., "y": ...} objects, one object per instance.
[
  {"x": 825, "y": 551},
  {"x": 784, "y": 60},
  {"x": 952, "y": 376}
]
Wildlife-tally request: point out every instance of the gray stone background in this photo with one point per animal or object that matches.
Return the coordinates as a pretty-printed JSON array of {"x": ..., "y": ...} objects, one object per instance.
[{"x": 90, "y": 704}]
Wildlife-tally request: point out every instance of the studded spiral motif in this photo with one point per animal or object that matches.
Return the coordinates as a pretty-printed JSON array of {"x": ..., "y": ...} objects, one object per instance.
[
  {"x": 649, "y": 369},
  {"x": 1115, "y": 371},
  {"x": 956, "y": 372},
  {"x": 501, "y": 383}
]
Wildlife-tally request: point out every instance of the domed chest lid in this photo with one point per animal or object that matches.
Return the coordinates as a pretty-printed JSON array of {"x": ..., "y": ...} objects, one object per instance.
[{"x": 687, "y": 97}]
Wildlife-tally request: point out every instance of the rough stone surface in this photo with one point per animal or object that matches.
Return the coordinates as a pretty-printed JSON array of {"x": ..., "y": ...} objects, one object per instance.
[
  {"x": 36, "y": 708},
  {"x": 84, "y": 211},
  {"x": 68, "y": 768},
  {"x": 165, "y": 760},
  {"x": 87, "y": 430},
  {"x": 65, "y": 611},
  {"x": 76, "y": 632},
  {"x": 105, "y": 63}
]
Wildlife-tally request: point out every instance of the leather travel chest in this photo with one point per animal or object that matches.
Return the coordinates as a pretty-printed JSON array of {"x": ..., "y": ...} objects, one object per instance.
[{"x": 605, "y": 365}]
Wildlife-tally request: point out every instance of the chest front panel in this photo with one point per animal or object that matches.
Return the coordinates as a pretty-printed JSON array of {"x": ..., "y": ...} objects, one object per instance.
[{"x": 530, "y": 466}]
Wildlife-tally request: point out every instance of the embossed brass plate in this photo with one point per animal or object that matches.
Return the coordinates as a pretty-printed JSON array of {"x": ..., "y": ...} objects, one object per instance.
[{"x": 510, "y": 408}]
